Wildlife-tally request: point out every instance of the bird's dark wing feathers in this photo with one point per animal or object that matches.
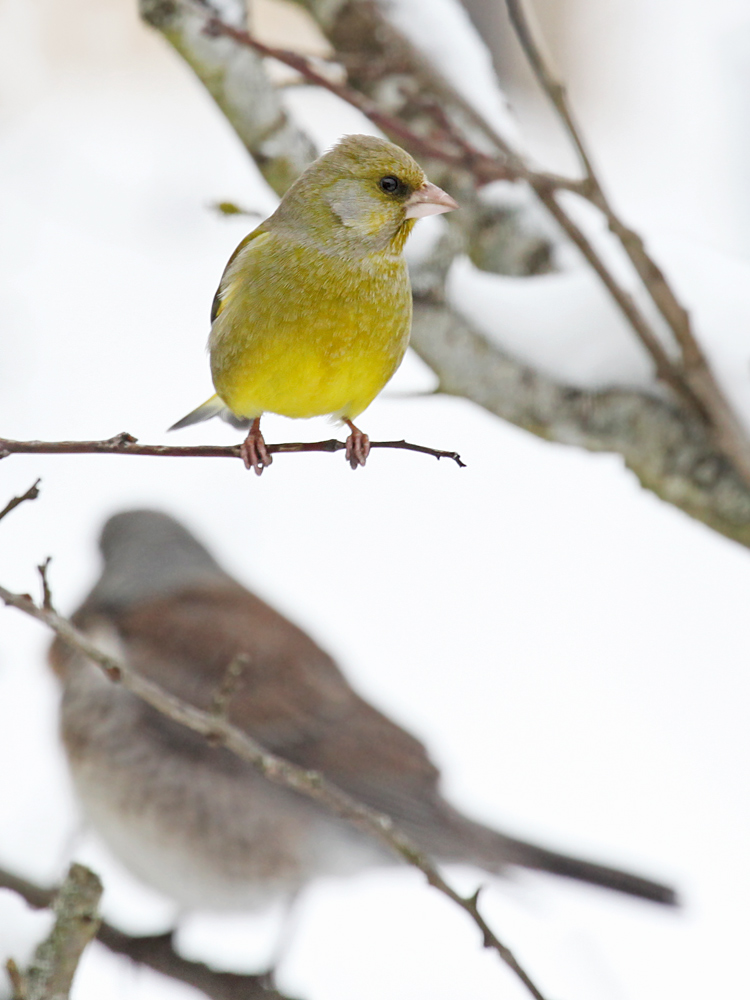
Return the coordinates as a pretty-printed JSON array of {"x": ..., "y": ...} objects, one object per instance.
[{"x": 291, "y": 696}]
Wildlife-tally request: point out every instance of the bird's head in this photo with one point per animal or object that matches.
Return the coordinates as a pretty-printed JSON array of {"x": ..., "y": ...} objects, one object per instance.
[
  {"x": 364, "y": 193},
  {"x": 148, "y": 555}
]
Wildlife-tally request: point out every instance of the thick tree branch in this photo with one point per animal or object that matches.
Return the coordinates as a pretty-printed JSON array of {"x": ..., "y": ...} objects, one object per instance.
[
  {"x": 694, "y": 369},
  {"x": 669, "y": 449},
  {"x": 50, "y": 975},
  {"x": 157, "y": 952},
  {"x": 277, "y": 770},
  {"x": 692, "y": 379},
  {"x": 237, "y": 80},
  {"x": 453, "y": 150},
  {"x": 126, "y": 444},
  {"x": 694, "y": 455}
]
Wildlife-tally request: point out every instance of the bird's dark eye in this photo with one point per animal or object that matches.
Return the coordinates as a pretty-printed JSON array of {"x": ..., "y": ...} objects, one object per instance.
[{"x": 390, "y": 184}]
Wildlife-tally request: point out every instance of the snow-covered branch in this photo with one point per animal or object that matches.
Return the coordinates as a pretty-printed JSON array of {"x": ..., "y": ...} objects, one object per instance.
[
  {"x": 687, "y": 445},
  {"x": 238, "y": 82}
]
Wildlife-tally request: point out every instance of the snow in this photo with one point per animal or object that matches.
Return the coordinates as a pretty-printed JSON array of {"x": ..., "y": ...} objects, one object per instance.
[
  {"x": 566, "y": 325},
  {"x": 443, "y": 31},
  {"x": 572, "y": 650}
]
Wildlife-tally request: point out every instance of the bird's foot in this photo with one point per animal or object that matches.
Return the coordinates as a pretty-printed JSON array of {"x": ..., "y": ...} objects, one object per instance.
[
  {"x": 253, "y": 450},
  {"x": 357, "y": 446}
]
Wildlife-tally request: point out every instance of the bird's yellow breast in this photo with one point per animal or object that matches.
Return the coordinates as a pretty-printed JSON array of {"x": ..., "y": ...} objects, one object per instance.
[{"x": 302, "y": 332}]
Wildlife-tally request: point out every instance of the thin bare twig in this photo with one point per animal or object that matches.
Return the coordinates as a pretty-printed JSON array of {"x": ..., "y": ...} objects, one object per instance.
[
  {"x": 46, "y": 592},
  {"x": 31, "y": 494},
  {"x": 276, "y": 769},
  {"x": 157, "y": 952},
  {"x": 463, "y": 156},
  {"x": 692, "y": 380},
  {"x": 453, "y": 149},
  {"x": 695, "y": 370},
  {"x": 126, "y": 444}
]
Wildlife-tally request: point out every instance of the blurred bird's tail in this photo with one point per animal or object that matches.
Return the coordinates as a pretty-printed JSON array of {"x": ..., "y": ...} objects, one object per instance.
[
  {"x": 213, "y": 407},
  {"x": 493, "y": 851}
]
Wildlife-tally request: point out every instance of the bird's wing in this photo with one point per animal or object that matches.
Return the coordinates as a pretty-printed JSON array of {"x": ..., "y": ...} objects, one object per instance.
[
  {"x": 230, "y": 271},
  {"x": 290, "y": 696}
]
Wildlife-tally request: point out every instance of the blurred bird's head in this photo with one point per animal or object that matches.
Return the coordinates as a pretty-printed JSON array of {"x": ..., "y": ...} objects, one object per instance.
[{"x": 362, "y": 196}]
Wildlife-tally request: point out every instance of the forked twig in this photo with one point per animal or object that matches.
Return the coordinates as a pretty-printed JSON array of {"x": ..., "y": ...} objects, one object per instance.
[
  {"x": 694, "y": 369},
  {"x": 689, "y": 376}
]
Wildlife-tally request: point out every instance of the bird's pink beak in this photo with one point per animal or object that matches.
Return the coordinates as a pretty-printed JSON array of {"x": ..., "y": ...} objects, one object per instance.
[{"x": 428, "y": 200}]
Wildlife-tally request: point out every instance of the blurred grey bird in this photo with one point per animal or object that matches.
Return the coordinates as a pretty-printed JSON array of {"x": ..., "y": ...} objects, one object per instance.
[{"x": 192, "y": 819}]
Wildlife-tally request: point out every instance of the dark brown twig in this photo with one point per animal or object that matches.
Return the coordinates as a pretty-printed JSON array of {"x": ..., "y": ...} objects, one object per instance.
[
  {"x": 46, "y": 592},
  {"x": 31, "y": 494},
  {"x": 463, "y": 156},
  {"x": 692, "y": 379},
  {"x": 453, "y": 149},
  {"x": 275, "y": 769},
  {"x": 157, "y": 952},
  {"x": 694, "y": 372},
  {"x": 126, "y": 444}
]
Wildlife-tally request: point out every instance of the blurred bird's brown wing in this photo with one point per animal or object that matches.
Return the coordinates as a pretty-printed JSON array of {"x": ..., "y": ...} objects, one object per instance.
[
  {"x": 291, "y": 696},
  {"x": 293, "y": 699}
]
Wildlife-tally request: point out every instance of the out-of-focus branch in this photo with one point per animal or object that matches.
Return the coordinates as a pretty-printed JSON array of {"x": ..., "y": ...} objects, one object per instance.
[
  {"x": 277, "y": 770},
  {"x": 157, "y": 952},
  {"x": 509, "y": 238},
  {"x": 31, "y": 494},
  {"x": 694, "y": 368},
  {"x": 670, "y": 451},
  {"x": 238, "y": 82},
  {"x": 453, "y": 150},
  {"x": 669, "y": 448},
  {"x": 50, "y": 975},
  {"x": 126, "y": 444},
  {"x": 699, "y": 458}
]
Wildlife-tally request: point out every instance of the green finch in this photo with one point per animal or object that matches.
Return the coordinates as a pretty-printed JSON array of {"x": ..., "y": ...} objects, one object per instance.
[{"x": 313, "y": 311}]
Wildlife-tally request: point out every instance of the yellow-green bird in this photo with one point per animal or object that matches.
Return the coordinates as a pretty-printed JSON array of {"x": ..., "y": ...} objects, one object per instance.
[{"x": 313, "y": 311}]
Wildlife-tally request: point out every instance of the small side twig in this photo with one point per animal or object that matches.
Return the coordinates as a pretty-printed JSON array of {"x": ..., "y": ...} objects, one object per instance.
[
  {"x": 31, "y": 493},
  {"x": 46, "y": 592},
  {"x": 126, "y": 444},
  {"x": 17, "y": 980},
  {"x": 694, "y": 371},
  {"x": 228, "y": 685},
  {"x": 274, "y": 768},
  {"x": 229, "y": 208}
]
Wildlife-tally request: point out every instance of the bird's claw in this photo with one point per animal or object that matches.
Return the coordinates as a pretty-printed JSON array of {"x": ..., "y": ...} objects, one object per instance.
[
  {"x": 254, "y": 453},
  {"x": 357, "y": 447}
]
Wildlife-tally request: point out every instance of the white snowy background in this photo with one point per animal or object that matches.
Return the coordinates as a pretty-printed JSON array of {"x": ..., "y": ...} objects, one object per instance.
[{"x": 573, "y": 651}]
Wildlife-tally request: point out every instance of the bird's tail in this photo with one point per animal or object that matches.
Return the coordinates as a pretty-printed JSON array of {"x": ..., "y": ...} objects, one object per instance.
[
  {"x": 493, "y": 851},
  {"x": 213, "y": 407}
]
